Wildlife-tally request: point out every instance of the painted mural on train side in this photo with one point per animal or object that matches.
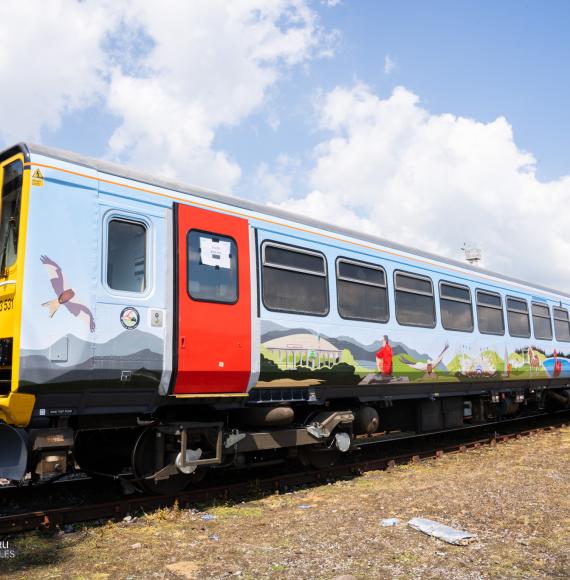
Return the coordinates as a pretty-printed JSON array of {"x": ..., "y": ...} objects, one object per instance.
[{"x": 304, "y": 357}]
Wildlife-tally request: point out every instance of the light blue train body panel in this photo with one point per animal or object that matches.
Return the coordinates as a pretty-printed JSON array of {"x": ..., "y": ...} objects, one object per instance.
[
  {"x": 303, "y": 350},
  {"x": 69, "y": 219},
  {"x": 83, "y": 345},
  {"x": 62, "y": 230}
]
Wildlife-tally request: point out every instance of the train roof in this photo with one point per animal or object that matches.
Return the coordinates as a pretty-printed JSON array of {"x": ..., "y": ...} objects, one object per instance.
[{"x": 127, "y": 173}]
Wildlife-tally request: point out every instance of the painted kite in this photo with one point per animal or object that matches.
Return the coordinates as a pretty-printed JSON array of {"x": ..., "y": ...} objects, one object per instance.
[{"x": 64, "y": 296}]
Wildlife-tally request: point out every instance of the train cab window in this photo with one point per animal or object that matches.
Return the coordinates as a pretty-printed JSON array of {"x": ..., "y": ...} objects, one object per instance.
[
  {"x": 490, "y": 313},
  {"x": 541, "y": 322},
  {"x": 212, "y": 267},
  {"x": 294, "y": 280},
  {"x": 126, "y": 256},
  {"x": 362, "y": 291},
  {"x": 12, "y": 176},
  {"x": 415, "y": 304},
  {"x": 517, "y": 318},
  {"x": 455, "y": 307},
  {"x": 561, "y": 324}
]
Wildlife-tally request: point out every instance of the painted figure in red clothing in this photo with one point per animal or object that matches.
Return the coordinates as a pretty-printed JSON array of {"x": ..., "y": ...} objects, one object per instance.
[
  {"x": 557, "y": 365},
  {"x": 384, "y": 359}
]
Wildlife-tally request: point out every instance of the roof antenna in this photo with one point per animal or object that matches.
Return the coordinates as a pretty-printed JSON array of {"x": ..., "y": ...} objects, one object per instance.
[{"x": 472, "y": 253}]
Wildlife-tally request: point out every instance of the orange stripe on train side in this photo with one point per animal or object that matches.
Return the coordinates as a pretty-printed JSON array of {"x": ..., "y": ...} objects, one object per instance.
[{"x": 273, "y": 222}]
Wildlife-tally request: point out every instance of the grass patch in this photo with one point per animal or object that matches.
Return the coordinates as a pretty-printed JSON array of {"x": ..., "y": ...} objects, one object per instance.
[{"x": 515, "y": 497}]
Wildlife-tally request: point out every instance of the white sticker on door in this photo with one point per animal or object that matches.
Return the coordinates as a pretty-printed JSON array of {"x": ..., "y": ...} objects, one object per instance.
[{"x": 214, "y": 253}]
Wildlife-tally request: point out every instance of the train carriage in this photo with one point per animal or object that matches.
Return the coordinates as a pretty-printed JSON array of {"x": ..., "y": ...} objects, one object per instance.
[{"x": 154, "y": 328}]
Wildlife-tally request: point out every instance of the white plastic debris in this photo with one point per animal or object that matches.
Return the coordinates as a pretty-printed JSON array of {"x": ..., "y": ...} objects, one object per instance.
[
  {"x": 442, "y": 532},
  {"x": 306, "y": 507},
  {"x": 389, "y": 522},
  {"x": 208, "y": 517}
]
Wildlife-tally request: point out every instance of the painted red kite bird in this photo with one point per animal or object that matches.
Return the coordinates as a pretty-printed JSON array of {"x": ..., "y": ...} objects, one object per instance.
[{"x": 64, "y": 296}]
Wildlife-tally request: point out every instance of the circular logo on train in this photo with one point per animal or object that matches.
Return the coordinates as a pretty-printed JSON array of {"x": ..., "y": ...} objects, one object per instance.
[{"x": 130, "y": 318}]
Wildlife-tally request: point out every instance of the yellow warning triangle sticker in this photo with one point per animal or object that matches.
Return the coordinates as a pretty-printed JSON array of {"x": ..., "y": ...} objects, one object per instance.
[{"x": 37, "y": 178}]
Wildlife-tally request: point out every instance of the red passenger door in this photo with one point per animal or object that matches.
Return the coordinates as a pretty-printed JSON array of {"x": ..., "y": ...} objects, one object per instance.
[{"x": 214, "y": 303}]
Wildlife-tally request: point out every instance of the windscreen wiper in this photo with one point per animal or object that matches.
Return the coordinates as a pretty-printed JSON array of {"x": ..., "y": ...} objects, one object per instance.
[{"x": 9, "y": 229}]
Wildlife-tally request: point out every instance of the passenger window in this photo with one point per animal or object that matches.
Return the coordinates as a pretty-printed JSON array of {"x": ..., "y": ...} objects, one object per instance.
[
  {"x": 126, "y": 256},
  {"x": 362, "y": 292},
  {"x": 541, "y": 322},
  {"x": 455, "y": 307},
  {"x": 415, "y": 304},
  {"x": 517, "y": 318},
  {"x": 490, "y": 313},
  {"x": 212, "y": 267},
  {"x": 561, "y": 325},
  {"x": 294, "y": 280}
]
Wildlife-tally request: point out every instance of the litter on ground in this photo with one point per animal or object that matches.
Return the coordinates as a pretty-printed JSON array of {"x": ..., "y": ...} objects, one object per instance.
[{"x": 442, "y": 532}]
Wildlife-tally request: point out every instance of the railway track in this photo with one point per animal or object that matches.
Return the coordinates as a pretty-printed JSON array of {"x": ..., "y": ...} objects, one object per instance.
[{"x": 380, "y": 456}]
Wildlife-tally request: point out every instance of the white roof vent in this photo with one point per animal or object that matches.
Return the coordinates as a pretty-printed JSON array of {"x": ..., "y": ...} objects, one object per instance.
[{"x": 472, "y": 253}]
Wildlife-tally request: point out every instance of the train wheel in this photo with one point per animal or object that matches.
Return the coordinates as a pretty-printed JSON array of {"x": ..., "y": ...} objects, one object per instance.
[
  {"x": 144, "y": 464},
  {"x": 105, "y": 452},
  {"x": 319, "y": 458}
]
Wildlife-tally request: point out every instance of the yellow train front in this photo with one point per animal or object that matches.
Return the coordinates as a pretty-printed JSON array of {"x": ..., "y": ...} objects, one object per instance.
[
  {"x": 156, "y": 329},
  {"x": 15, "y": 408}
]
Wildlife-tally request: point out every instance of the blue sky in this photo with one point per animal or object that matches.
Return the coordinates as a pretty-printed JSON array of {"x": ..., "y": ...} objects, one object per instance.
[
  {"x": 480, "y": 59},
  {"x": 475, "y": 59},
  {"x": 359, "y": 110}
]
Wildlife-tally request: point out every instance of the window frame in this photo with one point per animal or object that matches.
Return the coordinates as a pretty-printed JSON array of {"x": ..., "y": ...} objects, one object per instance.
[
  {"x": 417, "y": 292},
  {"x": 212, "y": 234},
  {"x": 136, "y": 219},
  {"x": 567, "y": 320},
  {"x": 354, "y": 281},
  {"x": 500, "y": 308},
  {"x": 470, "y": 302},
  {"x": 549, "y": 317},
  {"x": 300, "y": 250},
  {"x": 528, "y": 315}
]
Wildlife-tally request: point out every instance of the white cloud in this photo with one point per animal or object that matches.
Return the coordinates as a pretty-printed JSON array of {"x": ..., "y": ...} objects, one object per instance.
[
  {"x": 391, "y": 168},
  {"x": 276, "y": 185},
  {"x": 273, "y": 121},
  {"x": 172, "y": 77},
  {"x": 390, "y": 65},
  {"x": 51, "y": 62},
  {"x": 210, "y": 65}
]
